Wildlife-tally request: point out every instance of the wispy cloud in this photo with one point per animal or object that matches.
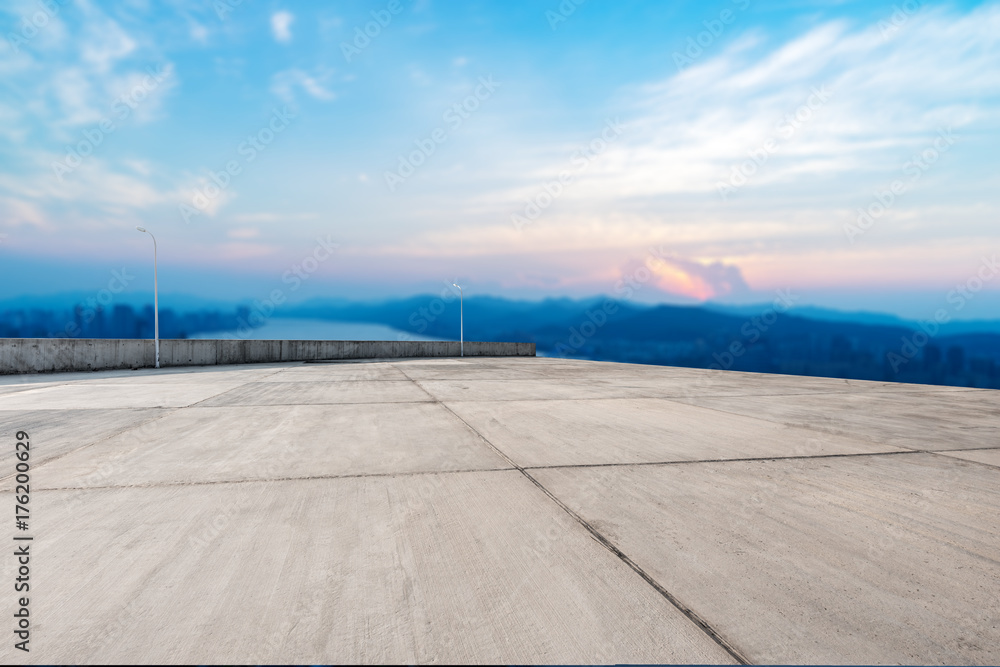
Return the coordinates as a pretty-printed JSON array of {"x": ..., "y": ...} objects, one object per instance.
[
  {"x": 271, "y": 217},
  {"x": 281, "y": 26},
  {"x": 104, "y": 42},
  {"x": 15, "y": 212},
  {"x": 884, "y": 97},
  {"x": 285, "y": 83}
]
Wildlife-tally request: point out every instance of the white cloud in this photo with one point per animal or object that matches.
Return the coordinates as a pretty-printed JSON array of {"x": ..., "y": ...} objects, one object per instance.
[
  {"x": 74, "y": 91},
  {"x": 95, "y": 183},
  {"x": 141, "y": 167},
  {"x": 15, "y": 211},
  {"x": 73, "y": 85},
  {"x": 105, "y": 43},
  {"x": 271, "y": 217},
  {"x": 657, "y": 183},
  {"x": 143, "y": 92},
  {"x": 284, "y": 83},
  {"x": 199, "y": 33},
  {"x": 281, "y": 26},
  {"x": 888, "y": 98}
]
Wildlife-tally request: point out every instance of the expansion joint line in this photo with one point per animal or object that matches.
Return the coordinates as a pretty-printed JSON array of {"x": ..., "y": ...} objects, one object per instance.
[{"x": 602, "y": 540}]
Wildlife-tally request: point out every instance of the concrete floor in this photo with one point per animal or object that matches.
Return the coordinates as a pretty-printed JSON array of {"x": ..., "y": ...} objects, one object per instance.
[{"x": 509, "y": 510}]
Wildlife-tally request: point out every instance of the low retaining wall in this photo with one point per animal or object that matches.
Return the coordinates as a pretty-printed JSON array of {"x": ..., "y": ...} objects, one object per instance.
[{"x": 46, "y": 355}]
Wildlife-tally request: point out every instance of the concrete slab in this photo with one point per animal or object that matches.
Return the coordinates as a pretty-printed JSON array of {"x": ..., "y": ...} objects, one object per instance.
[
  {"x": 444, "y": 568},
  {"x": 185, "y": 374},
  {"x": 10, "y": 389},
  {"x": 722, "y": 382},
  {"x": 519, "y": 389},
  {"x": 632, "y": 380},
  {"x": 559, "y": 432},
  {"x": 928, "y": 420},
  {"x": 320, "y": 392},
  {"x": 320, "y": 512},
  {"x": 987, "y": 456},
  {"x": 484, "y": 369},
  {"x": 95, "y": 396},
  {"x": 213, "y": 444},
  {"x": 407, "y": 363},
  {"x": 58, "y": 432},
  {"x": 337, "y": 373},
  {"x": 860, "y": 560},
  {"x": 670, "y": 382}
]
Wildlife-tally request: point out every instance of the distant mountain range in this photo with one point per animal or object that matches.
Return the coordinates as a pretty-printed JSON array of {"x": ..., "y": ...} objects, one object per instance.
[
  {"x": 862, "y": 317},
  {"x": 761, "y": 338},
  {"x": 803, "y": 340},
  {"x": 326, "y": 308}
]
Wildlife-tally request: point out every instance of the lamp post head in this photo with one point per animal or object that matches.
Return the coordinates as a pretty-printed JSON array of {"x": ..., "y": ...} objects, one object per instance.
[{"x": 141, "y": 229}]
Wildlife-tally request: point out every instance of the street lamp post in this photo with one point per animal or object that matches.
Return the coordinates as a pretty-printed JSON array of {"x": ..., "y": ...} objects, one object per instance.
[
  {"x": 461, "y": 317},
  {"x": 156, "y": 299}
]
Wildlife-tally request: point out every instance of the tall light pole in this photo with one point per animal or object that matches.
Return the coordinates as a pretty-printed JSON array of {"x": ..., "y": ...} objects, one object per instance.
[
  {"x": 461, "y": 317},
  {"x": 156, "y": 299}
]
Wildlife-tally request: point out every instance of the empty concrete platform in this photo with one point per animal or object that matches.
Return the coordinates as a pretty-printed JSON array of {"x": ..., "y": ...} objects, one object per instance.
[{"x": 503, "y": 510}]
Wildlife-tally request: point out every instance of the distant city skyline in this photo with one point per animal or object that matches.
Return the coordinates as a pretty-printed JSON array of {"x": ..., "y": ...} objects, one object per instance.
[{"x": 648, "y": 151}]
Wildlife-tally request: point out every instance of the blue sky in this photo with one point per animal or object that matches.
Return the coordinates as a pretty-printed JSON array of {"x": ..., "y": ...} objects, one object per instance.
[{"x": 842, "y": 150}]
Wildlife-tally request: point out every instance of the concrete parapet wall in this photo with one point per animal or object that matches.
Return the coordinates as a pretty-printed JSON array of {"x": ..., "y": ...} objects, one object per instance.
[{"x": 46, "y": 355}]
